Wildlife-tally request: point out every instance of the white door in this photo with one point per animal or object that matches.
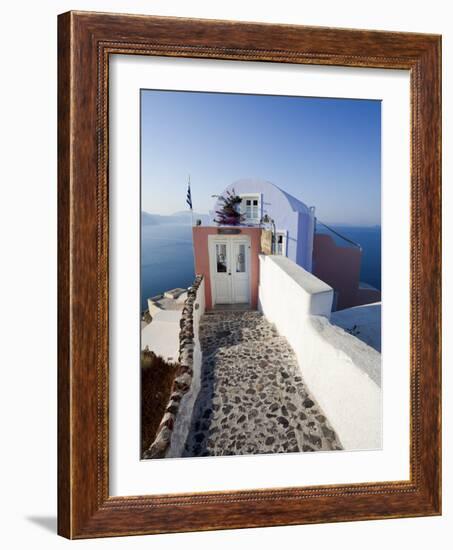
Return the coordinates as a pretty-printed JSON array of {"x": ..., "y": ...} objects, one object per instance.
[
  {"x": 240, "y": 271},
  {"x": 230, "y": 271}
]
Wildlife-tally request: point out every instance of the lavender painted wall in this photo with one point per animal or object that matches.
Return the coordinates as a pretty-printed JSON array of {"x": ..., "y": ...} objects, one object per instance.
[
  {"x": 306, "y": 226},
  {"x": 289, "y": 214}
]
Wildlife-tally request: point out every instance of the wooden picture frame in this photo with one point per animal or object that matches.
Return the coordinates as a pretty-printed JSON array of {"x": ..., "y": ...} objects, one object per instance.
[{"x": 85, "y": 41}]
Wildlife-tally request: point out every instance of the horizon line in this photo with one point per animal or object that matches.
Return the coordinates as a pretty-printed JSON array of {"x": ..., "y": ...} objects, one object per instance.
[{"x": 207, "y": 214}]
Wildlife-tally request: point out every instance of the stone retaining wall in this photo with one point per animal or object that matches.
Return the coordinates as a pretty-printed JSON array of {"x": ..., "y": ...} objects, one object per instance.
[{"x": 172, "y": 432}]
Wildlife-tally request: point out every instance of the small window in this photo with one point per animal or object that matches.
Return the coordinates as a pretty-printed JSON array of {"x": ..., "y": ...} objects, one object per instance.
[
  {"x": 221, "y": 258},
  {"x": 248, "y": 209},
  {"x": 251, "y": 208},
  {"x": 280, "y": 244}
]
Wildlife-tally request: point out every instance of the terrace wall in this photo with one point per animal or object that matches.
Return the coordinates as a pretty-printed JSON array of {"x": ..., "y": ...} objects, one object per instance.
[
  {"x": 174, "y": 427},
  {"x": 337, "y": 367}
]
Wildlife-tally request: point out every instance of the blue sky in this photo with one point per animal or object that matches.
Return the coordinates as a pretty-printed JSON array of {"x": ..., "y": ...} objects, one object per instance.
[{"x": 325, "y": 152}]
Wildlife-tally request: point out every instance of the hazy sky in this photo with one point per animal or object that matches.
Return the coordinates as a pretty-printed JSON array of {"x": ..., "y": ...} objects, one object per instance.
[{"x": 325, "y": 152}]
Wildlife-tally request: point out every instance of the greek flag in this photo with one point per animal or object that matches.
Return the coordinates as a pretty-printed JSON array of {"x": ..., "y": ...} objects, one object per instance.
[{"x": 189, "y": 196}]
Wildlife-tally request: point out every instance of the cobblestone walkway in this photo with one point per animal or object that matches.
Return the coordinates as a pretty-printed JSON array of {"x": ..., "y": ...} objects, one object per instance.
[{"x": 252, "y": 397}]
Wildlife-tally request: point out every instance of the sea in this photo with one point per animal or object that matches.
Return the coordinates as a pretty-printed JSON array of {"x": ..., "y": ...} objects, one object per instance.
[{"x": 167, "y": 256}]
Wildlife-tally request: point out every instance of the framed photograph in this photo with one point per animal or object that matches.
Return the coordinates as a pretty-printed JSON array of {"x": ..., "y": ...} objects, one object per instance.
[{"x": 249, "y": 275}]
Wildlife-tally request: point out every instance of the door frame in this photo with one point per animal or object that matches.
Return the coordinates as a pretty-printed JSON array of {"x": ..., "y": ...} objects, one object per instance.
[{"x": 212, "y": 240}]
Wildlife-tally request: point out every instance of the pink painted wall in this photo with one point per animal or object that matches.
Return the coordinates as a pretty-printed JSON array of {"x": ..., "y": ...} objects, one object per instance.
[
  {"x": 339, "y": 267},
  {"x": 201, "y": 252}
]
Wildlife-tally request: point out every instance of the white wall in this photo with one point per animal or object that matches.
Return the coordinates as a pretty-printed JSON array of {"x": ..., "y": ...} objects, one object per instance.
[
  {"x": 162, "y": 335},
  {"x": 28, "y": 100},
  {"x": 184, "y": 415},
  {"x": 288, "y": 293},
  {"x": 333, "y": 363},
  {"x": 335, "y": 366}
]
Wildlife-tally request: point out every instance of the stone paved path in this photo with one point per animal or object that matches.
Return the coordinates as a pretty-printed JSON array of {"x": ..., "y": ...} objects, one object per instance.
[{"x": 252, "y": 397}]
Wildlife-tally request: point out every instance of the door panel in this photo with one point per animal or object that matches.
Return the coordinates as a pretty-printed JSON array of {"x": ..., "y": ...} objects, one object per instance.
[
  {"x": 240, "y": 272},
  {"x": 223, "y": 290}
]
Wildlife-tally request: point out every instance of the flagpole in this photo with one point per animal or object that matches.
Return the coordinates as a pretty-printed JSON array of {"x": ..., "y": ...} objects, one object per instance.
[
  {"x": 191, "y": 207},
  {"x": 189, "y": 201}
]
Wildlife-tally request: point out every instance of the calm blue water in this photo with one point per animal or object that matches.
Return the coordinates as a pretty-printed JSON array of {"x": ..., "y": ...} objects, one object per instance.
[
  {"x": 167, "y": 259},
  {"x": 167, "y": 256}
]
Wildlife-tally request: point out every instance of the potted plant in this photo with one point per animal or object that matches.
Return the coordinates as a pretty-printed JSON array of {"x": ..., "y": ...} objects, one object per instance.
[{"x": 229, "y": 214}]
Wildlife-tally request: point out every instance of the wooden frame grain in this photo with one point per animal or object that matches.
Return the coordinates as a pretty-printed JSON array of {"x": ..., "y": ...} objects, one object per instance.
[{"x": 85, "y": 41}]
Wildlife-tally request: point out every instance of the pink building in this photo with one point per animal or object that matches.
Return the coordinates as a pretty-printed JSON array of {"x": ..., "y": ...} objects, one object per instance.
[
  {"x": 228, "y": 259},
  {"x": 339, "y": 267},
  {"x": 228, "y": 256}
]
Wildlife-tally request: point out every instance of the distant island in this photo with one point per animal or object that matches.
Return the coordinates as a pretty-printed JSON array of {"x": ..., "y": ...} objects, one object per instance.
[{"x": 178, "y": 218}]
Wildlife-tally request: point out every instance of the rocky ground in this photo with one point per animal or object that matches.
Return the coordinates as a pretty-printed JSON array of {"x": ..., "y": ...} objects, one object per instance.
[{"x": 253, "y": 398}]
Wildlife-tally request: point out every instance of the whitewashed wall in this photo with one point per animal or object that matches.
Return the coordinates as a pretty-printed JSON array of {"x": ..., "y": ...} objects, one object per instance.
[
  {"x": 335, "y": 365},
  {"x": 184, "y": 416},
  {"x": 289, "y": 294}
]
